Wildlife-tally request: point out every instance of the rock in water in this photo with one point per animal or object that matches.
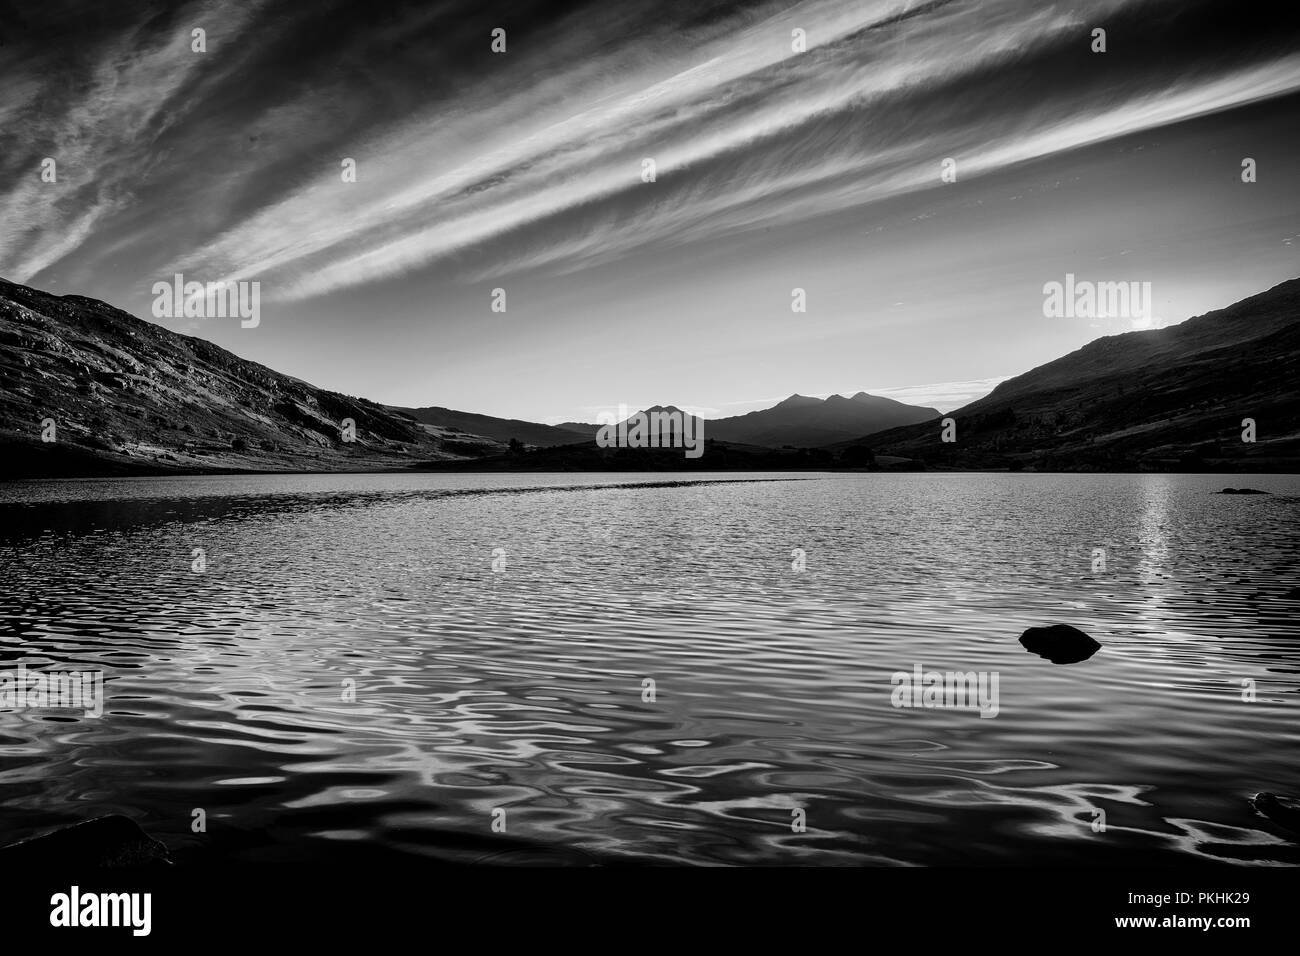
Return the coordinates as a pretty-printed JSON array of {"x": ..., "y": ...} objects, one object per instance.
[
  {"x": 1283, "y": 811},
  {"x": 110, "y": 841},
  {"x": 1059, "y": 643},
  {"x": 1244, "y": 491}
]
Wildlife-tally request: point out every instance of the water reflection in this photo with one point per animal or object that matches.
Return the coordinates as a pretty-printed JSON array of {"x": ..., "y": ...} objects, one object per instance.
[{"x": 349, "y": 679}]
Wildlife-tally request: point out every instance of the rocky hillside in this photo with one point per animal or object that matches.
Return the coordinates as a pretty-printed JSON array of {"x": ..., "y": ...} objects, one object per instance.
[{"x": 124, "y": 396}]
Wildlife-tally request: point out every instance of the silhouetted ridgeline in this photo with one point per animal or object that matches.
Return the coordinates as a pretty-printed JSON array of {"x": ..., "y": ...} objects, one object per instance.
[
  {"x": 1171, "y": 399},
  {"x": 122, "y": 396},
  {"x": 802, "y": 421},
  {"x": 498, "y": 429}
]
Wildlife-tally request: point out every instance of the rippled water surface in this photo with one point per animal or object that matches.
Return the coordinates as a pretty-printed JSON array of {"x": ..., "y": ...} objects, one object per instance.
[{"x": 524, "y": 689}]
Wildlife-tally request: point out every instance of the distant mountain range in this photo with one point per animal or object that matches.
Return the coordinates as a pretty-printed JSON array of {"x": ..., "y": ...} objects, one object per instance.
[
  {"x": 803, "y": 422},
  {"x": 123, "y": 396}
]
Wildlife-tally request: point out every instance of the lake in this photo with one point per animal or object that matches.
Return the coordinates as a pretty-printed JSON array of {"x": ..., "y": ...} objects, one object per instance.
[{"x": 575, "y": 669}]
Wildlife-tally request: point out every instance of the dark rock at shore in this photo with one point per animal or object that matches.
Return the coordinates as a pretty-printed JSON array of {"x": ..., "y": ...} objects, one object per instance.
[
  {"x": 1059, "y": 643},
  {"x": 1284, "y": 811},
  {"x": 109, "y": 841},
  {"x": 1243, "y": 491}
]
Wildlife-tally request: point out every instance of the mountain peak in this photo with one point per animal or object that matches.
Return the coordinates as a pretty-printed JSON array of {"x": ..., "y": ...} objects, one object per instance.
[
  {"x": 662, "y": 409},
  {"x": 797, "y": 400}
]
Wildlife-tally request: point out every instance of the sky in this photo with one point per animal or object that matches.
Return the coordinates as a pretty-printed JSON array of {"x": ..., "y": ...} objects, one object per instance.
[{"x": 778, "y": 166}]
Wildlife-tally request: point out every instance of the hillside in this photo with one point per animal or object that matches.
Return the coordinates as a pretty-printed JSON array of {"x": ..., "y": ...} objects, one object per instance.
[
  {"x": 497, "y": 429},
  {"x": 126, "y": 396},
  {"x": 1164, "y": 399}
]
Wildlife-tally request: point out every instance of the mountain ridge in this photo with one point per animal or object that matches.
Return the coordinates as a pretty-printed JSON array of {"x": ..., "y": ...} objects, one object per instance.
[
  {"x": 1174, "y": 397},
  {"x": 86, "y": 388},
  {"x": 802, "y": 421},
  {"x": 121, "y": 395}
]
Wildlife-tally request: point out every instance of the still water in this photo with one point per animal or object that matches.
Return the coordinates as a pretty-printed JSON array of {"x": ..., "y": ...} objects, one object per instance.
[{"x": 630, "y": 669}]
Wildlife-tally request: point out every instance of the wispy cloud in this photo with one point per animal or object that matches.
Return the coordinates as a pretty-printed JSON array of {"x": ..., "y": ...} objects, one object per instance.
[
  {"x": 744, "y": 134},
  {"x": 98, "y": 128},
  {"x": 537, "y": 164}
]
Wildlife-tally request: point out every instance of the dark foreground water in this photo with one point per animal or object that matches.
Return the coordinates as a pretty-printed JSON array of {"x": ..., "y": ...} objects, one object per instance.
[{"x": 519, "y": 695}]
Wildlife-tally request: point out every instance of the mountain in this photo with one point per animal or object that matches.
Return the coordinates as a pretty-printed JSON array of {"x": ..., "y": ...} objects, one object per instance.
[
  {"x": 803, "y": 422},
  {"x": 1164, "y": 399},
  {"x": 808, "y": 422},
  {"x": 498, "y": 429},
  {"x": 586, "y": 430},
  {"x": 125, "y": 396}
]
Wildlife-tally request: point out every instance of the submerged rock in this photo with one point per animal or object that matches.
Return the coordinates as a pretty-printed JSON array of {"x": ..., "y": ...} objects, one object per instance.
[
  {"x": 1284, "y": 811},
  {"x": 1059, "y": 643},
  {"x": 1244, "y": 491},
  {"x": 110, "y": 841}
]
